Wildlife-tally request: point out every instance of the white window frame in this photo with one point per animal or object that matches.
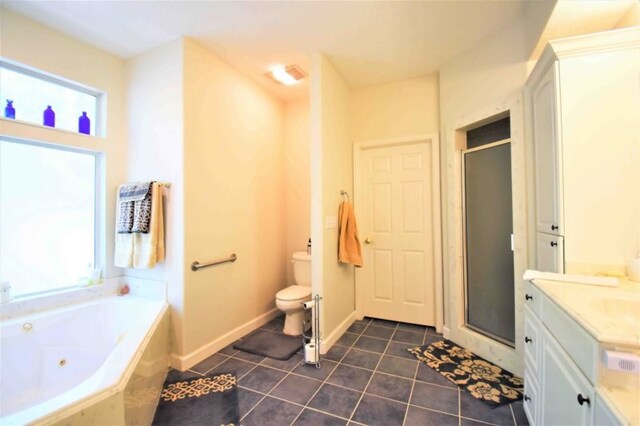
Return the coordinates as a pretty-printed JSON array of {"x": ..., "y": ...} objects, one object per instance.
[
  {"x": 24, "y": 132},
  {"x": 100, "y": 128}
]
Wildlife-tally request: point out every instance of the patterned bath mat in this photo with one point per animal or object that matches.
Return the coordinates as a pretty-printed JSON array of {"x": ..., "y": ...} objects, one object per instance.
[
  {"x": 208, "y": 400},
  {"x": 270, "y": 344},
  {"x": 482, "y": 379}
]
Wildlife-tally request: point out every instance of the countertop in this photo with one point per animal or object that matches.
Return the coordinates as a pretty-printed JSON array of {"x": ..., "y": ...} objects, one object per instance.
[
  {"x": 612, "y": 316},
  {"x": 609, "y": 314}
]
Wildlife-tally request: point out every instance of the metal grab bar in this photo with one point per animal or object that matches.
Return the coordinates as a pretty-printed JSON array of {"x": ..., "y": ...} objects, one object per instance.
[{"x": 195, "y": 266}]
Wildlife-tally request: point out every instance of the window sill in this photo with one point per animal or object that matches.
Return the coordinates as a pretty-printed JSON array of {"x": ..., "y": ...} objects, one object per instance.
[
  {"x": 11, "y": 128},
  {"x": 30, "y": 304}
]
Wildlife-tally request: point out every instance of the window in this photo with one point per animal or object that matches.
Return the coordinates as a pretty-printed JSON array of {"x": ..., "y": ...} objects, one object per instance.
[
  {"x": 31, "y": 93},
  {"x": 48, "y": 205}
]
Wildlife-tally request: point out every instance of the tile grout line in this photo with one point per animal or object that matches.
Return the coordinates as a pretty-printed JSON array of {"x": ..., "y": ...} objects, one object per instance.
[
  {"x": 292, "y": 372},
  {"x": 268, "y": 394},
  {"x": 327, "y": 378},
  {"x": 370, "y": 379},
  {"x": 339, "y": 362},
  {"x": 413, "y": 385},
  {"x": 238, "y": 380},
  {"x": 292, "y": 402},
  {"x": 513, "y": 415}
]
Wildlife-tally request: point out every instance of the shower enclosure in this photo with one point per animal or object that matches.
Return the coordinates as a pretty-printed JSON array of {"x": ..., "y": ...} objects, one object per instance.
[{"x": 488, "y": 239}]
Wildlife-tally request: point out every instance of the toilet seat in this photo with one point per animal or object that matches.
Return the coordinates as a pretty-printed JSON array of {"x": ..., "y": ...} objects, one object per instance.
[{"x": 293, "y": 293}]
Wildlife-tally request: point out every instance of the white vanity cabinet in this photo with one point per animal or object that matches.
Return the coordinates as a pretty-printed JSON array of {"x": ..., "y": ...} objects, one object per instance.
[
  {"x": 582, "y": 109},
  {"x": 561, "y": 365},
  {"x": 557, "y": 390}
]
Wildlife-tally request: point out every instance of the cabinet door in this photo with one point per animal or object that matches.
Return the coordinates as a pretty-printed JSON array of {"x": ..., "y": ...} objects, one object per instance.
[
  {"x": 547, "y": 155},
  {"x": 550, "y": 252},
  {"x": 563, "y": 387}
]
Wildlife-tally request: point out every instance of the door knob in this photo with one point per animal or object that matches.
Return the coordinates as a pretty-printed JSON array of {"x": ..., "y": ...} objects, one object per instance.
[
  {"x": 368, "y": 241},
  {"x": 553, "y": 244}
]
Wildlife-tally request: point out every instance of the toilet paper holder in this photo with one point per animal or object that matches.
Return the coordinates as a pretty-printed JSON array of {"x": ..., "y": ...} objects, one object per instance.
[{"x": 311, "y": 342}]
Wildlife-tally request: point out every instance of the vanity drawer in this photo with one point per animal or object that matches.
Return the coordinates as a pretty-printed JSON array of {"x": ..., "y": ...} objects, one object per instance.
[
  {"x": 581, "y": 347},
  {"x": 532, "y": 342},
  {"x": 532, "y": 297}
]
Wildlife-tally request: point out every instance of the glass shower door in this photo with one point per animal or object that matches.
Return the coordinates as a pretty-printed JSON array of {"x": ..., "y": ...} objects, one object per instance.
[{"x": 488, "y": 234}]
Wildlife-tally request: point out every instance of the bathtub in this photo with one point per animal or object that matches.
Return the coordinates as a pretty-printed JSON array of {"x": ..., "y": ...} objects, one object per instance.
[{"x": 98, "y": 362}]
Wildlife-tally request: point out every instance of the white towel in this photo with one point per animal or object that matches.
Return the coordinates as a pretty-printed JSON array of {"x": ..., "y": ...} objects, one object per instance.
[
  {"x": 578, "y": 279},
  {"x": 148, "y": 249}
]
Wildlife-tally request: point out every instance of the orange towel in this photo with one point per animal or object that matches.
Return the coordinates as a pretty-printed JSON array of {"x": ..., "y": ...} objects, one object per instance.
[{"x": 349, "y": 250}]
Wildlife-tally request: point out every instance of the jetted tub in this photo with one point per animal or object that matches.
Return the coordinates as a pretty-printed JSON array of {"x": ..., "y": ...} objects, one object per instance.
[{"x": 98, "y": 362}]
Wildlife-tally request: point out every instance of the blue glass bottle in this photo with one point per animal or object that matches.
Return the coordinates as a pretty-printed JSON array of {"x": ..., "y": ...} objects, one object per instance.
[
  {"x": 9, "y": 110},
  {"x": 84, "y": 124},
  {"x": 49, "y": 117}
]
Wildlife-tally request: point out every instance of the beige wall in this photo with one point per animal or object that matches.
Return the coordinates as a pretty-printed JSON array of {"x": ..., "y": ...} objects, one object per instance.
[
  {"x": 484, "y": 81},
  {"x": 404, "y": 108},
  {"x": 331, "y": 171},
  {"x": 220, "y": 143},
  {"x": 155, "y": 128},
  {"x": 40, "y": 47},
  {"x": 297, "y": 145},
  {"x": 234, "y": 197}
]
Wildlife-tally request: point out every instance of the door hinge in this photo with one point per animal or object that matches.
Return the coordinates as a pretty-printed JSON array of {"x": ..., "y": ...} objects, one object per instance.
[{"x": 511, "y": 242}]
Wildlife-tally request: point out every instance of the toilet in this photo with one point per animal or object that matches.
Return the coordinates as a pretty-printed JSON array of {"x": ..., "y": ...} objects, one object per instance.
[{"x": 290, "y": 299}]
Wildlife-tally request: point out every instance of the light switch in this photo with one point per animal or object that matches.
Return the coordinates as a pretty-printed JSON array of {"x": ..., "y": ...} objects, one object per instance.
[{"x": 331, "y": 222}]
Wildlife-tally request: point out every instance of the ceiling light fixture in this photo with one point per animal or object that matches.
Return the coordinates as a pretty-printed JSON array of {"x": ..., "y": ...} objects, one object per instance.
[{"x": 291, "y": 74}]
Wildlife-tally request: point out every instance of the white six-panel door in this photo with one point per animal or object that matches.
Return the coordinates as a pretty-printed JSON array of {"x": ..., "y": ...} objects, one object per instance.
[{"x": 396, "y": 211}]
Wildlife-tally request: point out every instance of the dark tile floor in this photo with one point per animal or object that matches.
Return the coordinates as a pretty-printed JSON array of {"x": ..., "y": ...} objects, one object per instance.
[{"x": 367, "y": 378}]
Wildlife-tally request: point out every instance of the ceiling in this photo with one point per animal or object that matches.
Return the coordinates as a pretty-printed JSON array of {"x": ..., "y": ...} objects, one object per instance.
[{"x": 368, "y": 42}]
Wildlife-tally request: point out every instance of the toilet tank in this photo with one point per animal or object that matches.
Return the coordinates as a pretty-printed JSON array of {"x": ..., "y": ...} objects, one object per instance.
[{"x": 302, "y": 268}]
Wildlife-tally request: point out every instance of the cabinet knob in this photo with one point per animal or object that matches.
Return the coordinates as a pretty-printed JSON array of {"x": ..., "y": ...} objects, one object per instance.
[
  {"x": 528, "y": 297},
  {"x": 582, "y": 399},
  {"x": 527, "y": 340},
  {"x": 527, "y": 398},
  {"x": 553, "y": 244},
  {"x": 554, "y": 227}
]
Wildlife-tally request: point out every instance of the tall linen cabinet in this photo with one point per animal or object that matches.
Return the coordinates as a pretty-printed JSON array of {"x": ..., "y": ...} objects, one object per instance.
[{"x": 583, "y": 110}]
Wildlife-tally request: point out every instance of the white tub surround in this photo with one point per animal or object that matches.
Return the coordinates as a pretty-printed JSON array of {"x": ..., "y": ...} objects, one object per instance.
[
  {"x": 568, "y": 327},
  {"x": 31, "y": 304},
  {"x": 97, "y": 362}
]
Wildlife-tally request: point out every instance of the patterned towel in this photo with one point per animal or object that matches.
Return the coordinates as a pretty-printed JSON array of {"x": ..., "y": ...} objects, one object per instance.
[{"x": 135, "y": 207}]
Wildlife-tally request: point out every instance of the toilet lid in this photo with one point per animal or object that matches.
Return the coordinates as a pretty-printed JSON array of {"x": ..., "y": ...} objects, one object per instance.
[{"x": 295, "y": 292}]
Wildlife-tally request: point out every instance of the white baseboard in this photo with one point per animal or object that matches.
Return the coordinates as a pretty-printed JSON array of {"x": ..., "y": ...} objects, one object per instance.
[
  {"x": 446, "y": 332},
  {"x": 187, "y": 361},
  {"x": 333, "y": 337}
]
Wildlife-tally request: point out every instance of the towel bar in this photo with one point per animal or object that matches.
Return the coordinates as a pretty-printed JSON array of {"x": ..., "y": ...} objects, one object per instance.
[{"x": 196, "y": 266}]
